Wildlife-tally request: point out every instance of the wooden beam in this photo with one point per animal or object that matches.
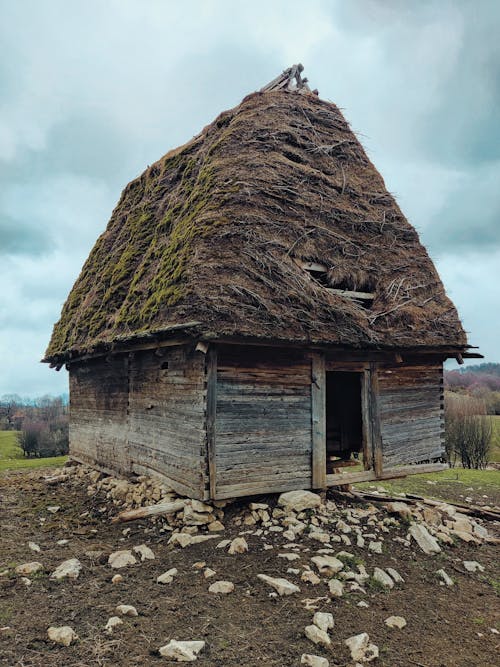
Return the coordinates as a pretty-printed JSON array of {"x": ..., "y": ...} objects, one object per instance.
[
  {"x": 211, "y": 417},
  {"x": 368, "y": 296},
  {"x": 391, "y": 473},
  {"x": 375, "y": 421},
  {"x": 460, "y": 359},
  {"x": 318, "y": 415}
]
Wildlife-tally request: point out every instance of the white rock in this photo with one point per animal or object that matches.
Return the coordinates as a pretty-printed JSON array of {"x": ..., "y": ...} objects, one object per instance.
[
  {"x": 363, "y": 604},
  {"x": 473, "y": 566},
  {"x": 310, "y": 577},
  {"x": 395, "y": 622},
  {"x": 64, "y": 635},
  {"x": 53, "y": 509},
  {"x": 223, "y": 544},
  {"x": 167, "y": 577},
  {"x": 282, "y": 586},
  {"x": 29, "y": 568},
  {"x": 120, "y": 559},
  {"x": 222, "y": 587},
  {"x": 383, "y": 578},
  {"x": 126, "y": 610},
  {"x": 361, "y": 649},
  {"x": 323, "y": 620},
  {"x": 112, "y": 623},
  {"x": 198, "y": 506},
  {"x": 182, "y": 651},
  {"x": 343, "y": 527},
  {"x": 289, "y": 557},
  {"x": 26, "y": 581},
  {"x": 328, "y": 565},
  {"x": 336, "y": 588},
  {"x": 299, "y": 500},
  {"x": 402, "y": 509},
  {"x": 376, "y": 547},
  {"x": 144, "y": 552},
  {"x": 424, "y": 539},
  {"x": 117, "y": 579},
  {"x": 208, "y": 572},
  {"x": 313, "y": 660},
  {"x": 62, "y": 543},
  {"x": 395, "y": 575},
  {"x": 238, "y": 546},
  {"x": 216, "y": 527},
  {"x": 34, "y": 547},
  {"x": 70, "y": 568},
  {"x": 447, "y": 580},
  {"x": 317, "y": 636}
]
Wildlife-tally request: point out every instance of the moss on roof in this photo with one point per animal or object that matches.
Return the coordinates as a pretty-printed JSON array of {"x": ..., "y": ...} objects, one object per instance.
[{"x": 215, "y": 232}]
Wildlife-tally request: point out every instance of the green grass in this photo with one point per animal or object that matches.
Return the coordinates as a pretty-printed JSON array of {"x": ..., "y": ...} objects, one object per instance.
[
  {"x": 495, "y": 444},
  {"x": 12, "y": 457},
  {"x": 450, "y": 483}
]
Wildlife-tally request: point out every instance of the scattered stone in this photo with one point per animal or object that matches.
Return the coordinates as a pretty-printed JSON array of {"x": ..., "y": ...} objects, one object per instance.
[
  {"x": 361, "y": 648},
  {"x": 383, "y": 578},
  {"x": 70, "y": 568},
  {"x": 238, "y": 546},
  {"x": 120, "y": 559},
  {"x": 208, "y": 572},
  {"x": 446, "y": 579},
  {"x": 310, "y": 577},
  {"x": 299, "y": 501},
  {"x": 167, "y": 577},
  {"x": 401, "y": 509},
  {"x": 182, "y": 651},
  {"x": 424, "y": 539},
  {"x": 29, "y": 568},
  {"x": 317, "y": 636},
  {"x": 34, "y": 547},
  {"x": 343, "y": 527},
  {"x": 62, "y": 543},
  {"x": 117, "y": 579},
  {"x": 222, "y": 587},
  {"x": 363, "y": 603},
  {"x": 473, "y": 566},
  {"x": 323, "y": 620},
  {"x": 144, "y": 552},
  {"x": 26, "y": 581},
  {"x": 395, "y": 622},
  {"x": 336, "y": 588},
  {"x": 395, "y": 575},
  {"x": 64, "y": 635},
  {"x": 282, "y": 586},
  {"x": 216, "y": 527},
  {"x": 112, "y": 623},
  {"x": 289, "y": 557},
  {"x": 53, "y": 509},
  {"x": 313, "y": 660},
  {"x": 126, "y": 610},
  {"x": 199, "y": 565},
  {"x": 328, "y": 565},
  {"x": 376, "y": 547},
  {"x": 223, "y": 544}
]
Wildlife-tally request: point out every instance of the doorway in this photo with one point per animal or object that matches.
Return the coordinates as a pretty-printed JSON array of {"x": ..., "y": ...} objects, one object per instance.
[{"x": 344, "y": 421}]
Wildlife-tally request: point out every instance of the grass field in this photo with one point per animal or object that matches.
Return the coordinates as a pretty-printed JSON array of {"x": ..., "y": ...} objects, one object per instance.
[{"x": 12, "y": 457}]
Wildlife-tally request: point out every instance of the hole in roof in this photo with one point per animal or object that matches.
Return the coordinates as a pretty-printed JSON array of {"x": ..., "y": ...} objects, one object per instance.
[
  {"x": 164, "y": 366},
  {"x": 361, "y": 293}
]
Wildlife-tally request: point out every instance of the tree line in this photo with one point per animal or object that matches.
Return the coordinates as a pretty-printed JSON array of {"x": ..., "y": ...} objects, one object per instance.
[{"x": 42, "y": 424}]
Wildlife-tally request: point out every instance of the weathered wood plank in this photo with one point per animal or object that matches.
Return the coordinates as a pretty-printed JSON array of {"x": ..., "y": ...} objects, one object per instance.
[
  {"x": 318, "y": 416},
  {"x": 388, "y": 473},
  {"x": 211, "y": 417}
]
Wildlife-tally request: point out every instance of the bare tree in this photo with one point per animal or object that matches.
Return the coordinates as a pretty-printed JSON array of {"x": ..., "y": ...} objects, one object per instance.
[{"x": 468, "y": 431}]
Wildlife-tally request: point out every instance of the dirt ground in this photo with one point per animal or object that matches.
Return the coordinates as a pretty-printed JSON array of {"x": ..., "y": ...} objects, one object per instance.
[{"x": 447, "y": 627}]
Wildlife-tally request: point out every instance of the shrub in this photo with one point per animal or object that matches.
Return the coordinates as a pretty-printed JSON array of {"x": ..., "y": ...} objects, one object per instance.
[{"x": 468, "y": 431}]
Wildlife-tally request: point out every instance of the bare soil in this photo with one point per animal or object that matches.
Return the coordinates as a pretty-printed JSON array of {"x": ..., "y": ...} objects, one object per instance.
[{"x": 447, "y": 627}]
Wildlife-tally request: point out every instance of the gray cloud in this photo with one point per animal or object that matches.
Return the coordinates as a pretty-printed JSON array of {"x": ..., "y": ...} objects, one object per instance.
[{"x": 93, "y": 92}]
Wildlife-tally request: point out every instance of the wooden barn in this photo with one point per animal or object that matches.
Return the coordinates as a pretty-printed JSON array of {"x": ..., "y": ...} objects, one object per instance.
[{"x": 259, "y": 316}]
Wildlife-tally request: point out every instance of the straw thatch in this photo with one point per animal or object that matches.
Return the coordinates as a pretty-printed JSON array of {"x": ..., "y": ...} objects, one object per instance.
[{"x": 214, "y": 232}]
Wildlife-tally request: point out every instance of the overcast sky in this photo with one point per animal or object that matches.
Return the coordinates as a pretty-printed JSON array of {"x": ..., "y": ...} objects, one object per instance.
[{"x": 92, "y": 91}]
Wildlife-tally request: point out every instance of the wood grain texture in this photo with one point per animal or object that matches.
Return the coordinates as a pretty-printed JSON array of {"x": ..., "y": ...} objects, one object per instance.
[
  {"x": 318, "y": 408},
  {"x": 411, "y": 413},
  {"x": 263, "y": 426}
]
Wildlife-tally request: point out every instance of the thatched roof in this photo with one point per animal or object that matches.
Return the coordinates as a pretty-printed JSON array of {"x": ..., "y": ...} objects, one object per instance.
[{"x": 218, "y": 232}]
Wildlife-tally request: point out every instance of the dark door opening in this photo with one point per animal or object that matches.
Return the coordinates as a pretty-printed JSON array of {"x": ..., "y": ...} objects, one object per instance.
[{"x": 344, "y": 424}]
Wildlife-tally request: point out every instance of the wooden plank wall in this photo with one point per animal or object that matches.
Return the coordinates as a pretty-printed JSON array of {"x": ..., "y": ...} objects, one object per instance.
[
  {"x": 410, "y": 405},
  {"x": 166, "y": 432},
  {"x": 98, "y": 413},
  {"x": 263, "y": 421}
]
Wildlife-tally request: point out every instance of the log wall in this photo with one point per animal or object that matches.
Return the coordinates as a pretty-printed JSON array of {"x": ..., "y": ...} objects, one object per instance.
[
  {"x": 410, "y": 405},
  {"x": 263, "y": 422},
  {"x": 98, "y": 413},
  {"x": 166, "y": 428}
]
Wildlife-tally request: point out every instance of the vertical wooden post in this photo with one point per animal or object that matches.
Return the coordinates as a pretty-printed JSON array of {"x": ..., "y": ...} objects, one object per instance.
[
  {"x": 318, "y": 413},
  {"x": 366, "y": 419},
  {"x": 211, "y": 416},
  {"x": 375, "y": 421}
]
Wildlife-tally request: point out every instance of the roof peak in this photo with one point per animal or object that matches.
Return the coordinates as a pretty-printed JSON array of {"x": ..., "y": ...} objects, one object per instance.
[{"x": 290, "y": 79}]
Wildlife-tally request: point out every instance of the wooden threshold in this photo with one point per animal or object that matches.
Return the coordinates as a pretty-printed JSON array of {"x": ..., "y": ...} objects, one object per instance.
[{"x": 391, "y": 473}]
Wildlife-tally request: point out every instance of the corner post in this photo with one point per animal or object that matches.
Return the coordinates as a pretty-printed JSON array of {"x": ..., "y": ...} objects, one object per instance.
[
  {"x": 318, "y": 415},
  {"x": 376, "y": 436},
  {"x": 211, "y": 415}
]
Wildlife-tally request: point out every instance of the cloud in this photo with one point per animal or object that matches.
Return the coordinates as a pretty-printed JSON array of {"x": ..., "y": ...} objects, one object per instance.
[{"x": 94, "y": 92}]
